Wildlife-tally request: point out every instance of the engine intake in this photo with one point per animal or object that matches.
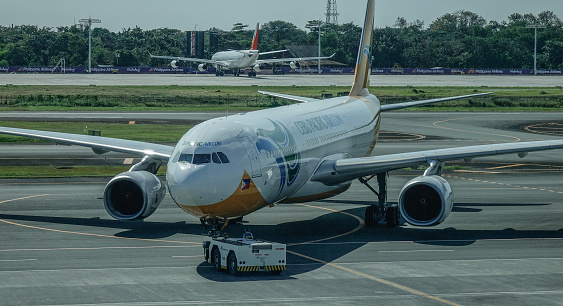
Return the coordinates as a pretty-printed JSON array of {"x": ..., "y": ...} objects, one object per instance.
[
  {"x": 201, "y": 67},
  {"x": 133, "y": 195},
  {"x": 426, "y": 200}
]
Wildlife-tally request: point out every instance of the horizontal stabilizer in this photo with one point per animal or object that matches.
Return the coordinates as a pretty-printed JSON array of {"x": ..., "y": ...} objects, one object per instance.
[
  {"x": 288, "y": 97},
  {"x": 396, "y": 106}
]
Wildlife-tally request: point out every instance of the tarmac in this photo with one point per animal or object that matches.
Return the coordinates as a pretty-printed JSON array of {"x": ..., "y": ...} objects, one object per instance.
[
  {"x": 279, "y": 80},
  {"x": 502, "y": 244}
]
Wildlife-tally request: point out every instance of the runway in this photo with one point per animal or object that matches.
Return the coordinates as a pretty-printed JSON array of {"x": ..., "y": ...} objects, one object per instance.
[
  {"x": 278, "y": 80},
  {"x": 501, "y": 245}
]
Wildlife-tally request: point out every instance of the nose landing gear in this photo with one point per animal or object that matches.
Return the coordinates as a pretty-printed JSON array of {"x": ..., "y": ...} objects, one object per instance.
[{"x": 214, "y": 225}]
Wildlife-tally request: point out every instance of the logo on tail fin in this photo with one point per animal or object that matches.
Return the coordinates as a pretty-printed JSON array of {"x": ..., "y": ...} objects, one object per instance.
[{"x": 255, "y": 38}]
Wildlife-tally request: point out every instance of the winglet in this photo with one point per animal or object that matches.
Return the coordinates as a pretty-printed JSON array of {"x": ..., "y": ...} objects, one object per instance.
[
  {"x": 363, "y": 70},
  {"x": 255, "y": 38}
]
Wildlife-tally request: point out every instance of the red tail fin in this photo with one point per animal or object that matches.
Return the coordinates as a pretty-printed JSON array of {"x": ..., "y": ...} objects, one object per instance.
[{"x": 255, "y": 38}]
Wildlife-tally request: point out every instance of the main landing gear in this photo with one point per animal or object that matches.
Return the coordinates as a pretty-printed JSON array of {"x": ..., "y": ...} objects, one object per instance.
[{"x": 380, "y": 211}]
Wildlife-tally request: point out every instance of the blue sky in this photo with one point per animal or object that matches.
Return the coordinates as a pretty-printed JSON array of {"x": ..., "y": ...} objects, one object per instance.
[{"x": 187, "y": 14}]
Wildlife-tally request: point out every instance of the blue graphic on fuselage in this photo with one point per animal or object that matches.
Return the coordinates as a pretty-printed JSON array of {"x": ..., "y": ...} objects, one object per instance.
[{"x": 280, "y": 144}]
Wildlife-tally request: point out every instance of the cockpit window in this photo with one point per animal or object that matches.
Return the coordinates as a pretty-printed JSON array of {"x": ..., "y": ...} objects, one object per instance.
[
  {"x": 215, "y": 158},
  {"x": 201, "y": 159},
  {"x": 185, "y": 158},
  {"x": 223, "y": 157}
]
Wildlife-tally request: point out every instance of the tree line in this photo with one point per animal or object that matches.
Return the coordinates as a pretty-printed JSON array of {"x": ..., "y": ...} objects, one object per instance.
[{"x": 455, "y": 40}]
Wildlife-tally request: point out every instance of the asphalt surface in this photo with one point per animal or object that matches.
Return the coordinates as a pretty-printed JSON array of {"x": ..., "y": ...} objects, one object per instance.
[
  {"x": 278, "y": 80},
  {"x": 501, "y": 245}
]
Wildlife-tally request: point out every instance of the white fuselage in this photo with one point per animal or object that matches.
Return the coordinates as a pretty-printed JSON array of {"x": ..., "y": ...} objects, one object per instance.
[
  {"x": 236, "y": 59},
  {"x": 270, "y": 155}
]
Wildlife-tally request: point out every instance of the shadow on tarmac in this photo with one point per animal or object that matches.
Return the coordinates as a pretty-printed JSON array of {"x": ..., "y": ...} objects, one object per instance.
[{"x": 300, "y": 236}]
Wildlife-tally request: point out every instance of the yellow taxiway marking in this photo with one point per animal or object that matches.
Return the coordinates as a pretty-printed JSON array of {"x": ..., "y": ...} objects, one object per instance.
[
  {"x": 379, "y": 280},
  {"x": 360, "y": 225},
  {"x": 80, "y": 233},
  {"x": 505, "y": 184},
  {"x": 506, "y": 166},
  {"x": 437, "y": 125}
]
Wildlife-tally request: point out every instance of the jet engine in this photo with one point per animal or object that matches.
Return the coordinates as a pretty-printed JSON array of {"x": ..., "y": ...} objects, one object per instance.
[
  {"x": 294, "y": 65},
  {"x": 133, "y": 195},
  {"x": 426, "y": 200},
  {"x": 173, "y": 64},
  {"x": 257, "y": 68},
  {"x": 201, "y": 67}
]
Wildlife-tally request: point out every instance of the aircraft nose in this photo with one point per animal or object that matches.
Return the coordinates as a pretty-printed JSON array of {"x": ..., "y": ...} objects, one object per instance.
[{"x": 188, "y": 184}]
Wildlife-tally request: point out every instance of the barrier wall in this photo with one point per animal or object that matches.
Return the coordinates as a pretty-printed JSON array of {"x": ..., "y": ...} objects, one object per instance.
[{"x": 211, "y": 70}]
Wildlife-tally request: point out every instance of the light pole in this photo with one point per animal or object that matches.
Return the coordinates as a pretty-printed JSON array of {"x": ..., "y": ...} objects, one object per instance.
[
  {"x": 319, "y": 60},
  {"x": 89, "y": 22},
  {"x": 117, "y": 55},
  {"x": 535, "y": 27}
]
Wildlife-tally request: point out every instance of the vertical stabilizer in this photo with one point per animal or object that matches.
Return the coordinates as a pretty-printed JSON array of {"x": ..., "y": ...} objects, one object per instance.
[
  {"x": 363, "y": 70},
  {"x": 255, "y": 38}
]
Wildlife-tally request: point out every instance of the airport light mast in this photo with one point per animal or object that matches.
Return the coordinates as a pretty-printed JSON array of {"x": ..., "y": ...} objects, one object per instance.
[
  {"x": 89, "y": 22},
  {"x": 535, "y": 27},
  {"x": 319, "y": 61}
]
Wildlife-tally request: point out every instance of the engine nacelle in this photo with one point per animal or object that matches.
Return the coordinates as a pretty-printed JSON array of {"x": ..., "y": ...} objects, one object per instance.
[
  {"x": 426, "y": 200},
  {"x": 201, "y": 67},
  {"x": 294, "y": 65},
  {"x": 173, "y": 64},
  {"x": 257, "y": 68},
  {"x": 133, "y": 195}
]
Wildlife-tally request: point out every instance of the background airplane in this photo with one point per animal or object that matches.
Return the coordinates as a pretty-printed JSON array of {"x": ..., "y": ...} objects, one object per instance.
[
  {"x": 240, "y": 59},
  {"x": 228, "y": 167}
]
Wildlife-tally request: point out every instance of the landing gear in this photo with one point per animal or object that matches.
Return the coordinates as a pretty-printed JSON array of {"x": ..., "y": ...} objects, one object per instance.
[
  {"x": 380, "y": 211},
  {"x": 219, "y": 73},
  {"x": 215, "y": 226},
  {"x": 252, "y": 73}
]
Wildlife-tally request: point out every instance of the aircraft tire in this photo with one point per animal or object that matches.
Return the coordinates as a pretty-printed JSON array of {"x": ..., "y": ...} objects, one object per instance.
[
  {"x": 371, "y": 216},
  {"x": 232, "y": 265},
  {"x": 392, "y": 216},
  {"x": 216, "y": 259}
]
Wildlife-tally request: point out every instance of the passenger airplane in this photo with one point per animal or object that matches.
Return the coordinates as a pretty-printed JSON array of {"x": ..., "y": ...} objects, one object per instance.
[
  {"x": 228, "y": 167},
  {"x": 240, "y": 59}
]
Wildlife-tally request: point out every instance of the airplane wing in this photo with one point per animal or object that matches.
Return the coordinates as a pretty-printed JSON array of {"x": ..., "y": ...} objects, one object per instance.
[
  {"x": 97, "y": 143},
  {"x": 294, "y": 59},
  {"x": 271, "y": 52},
  {"x": 189, "y": 59},
  {"x": 333, "y": 172},
  {"x": 289, "y": 97},
  {"x": 389, "y": 107}
]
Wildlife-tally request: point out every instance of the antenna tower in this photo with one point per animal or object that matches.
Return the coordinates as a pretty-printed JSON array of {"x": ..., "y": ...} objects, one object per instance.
[{"x": 331, "y": 12}]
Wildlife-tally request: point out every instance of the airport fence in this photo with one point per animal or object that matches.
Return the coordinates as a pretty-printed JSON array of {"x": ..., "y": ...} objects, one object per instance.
[{"x": 283, "y": 70}]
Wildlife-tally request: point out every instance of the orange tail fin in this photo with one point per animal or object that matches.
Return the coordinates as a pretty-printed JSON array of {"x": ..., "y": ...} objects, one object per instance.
[{"x": 255, "y": 38}]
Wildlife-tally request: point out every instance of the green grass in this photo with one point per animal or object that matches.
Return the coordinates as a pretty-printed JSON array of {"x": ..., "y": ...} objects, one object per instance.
[
  {"x": 220, "y": 98},
  {"x": 62, "y": 172}
]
